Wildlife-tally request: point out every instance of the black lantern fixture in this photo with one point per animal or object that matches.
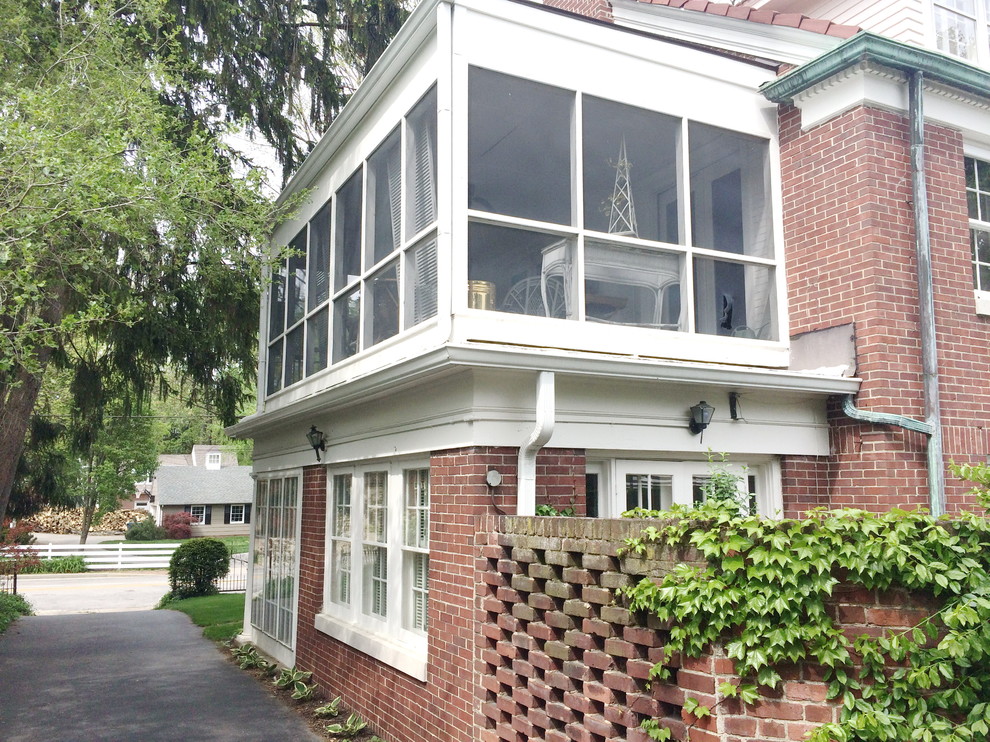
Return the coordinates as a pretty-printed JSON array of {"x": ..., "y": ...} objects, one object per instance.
[
  {"x": 317, "y": 440},
  {"x": 701, "y": 417}
]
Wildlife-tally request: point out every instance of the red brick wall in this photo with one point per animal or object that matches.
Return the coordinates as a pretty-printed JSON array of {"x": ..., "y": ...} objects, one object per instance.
[
  {"x": 445, "y": 709},
  {"x": 563, "y": 661},
  {"x": 600, "y": 9},
  {"x": 848, "y": 228}
]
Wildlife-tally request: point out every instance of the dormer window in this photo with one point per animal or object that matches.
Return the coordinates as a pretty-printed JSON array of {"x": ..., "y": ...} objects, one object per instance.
[{"x": 213, "y": 460}]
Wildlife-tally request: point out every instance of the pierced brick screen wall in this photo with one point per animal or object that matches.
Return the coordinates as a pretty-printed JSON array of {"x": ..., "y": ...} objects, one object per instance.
[{"x": 562, "y": 660}]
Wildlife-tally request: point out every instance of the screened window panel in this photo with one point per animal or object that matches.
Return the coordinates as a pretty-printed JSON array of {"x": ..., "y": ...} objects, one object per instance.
[
  {"x": 296, "y": 286},
  {"x": 340, "y": 529},
  {"x": 347, "y": 238},
  {"x": 276, "y": 302},
  {"x": 421, "y": 164},
  {"x": 383, "y": 304},
  {"x": 734, "y": 299},
  {"x": 384, "y": 200},
  {"x": 421, "y": 283},
  {"x": 346, "y": 325},
  {"x": 518, "y": 271},
  {"x": 294, "y": 356},
  {"x": 319, "y": 257},
  {"x": 317, "y": 341},
  {"x": 630, "y": 171},
  {"x": 519, "y": 154},
  {"x": 730, "y": 192},
  {"x": 275, "y": 366}
]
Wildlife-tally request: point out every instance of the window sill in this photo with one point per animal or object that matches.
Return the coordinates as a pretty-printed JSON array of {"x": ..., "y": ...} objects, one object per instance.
[
  {"x": 409, "y": 659},
  {"x": 983, "y": 302}
]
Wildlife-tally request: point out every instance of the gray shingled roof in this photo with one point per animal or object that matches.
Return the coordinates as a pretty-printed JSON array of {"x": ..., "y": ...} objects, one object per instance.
[{"x": 196, "y": 485}]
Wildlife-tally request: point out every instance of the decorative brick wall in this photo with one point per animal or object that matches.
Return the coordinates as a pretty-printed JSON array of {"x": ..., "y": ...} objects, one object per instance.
[
  {"x": 850, "y": 254},
  {"x": 445, "y": 709},
  {"x": 563, "y": 661}
]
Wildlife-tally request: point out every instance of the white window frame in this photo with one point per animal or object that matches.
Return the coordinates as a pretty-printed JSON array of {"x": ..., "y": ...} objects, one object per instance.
[
  {"x": 236, "y": 514},
  {"x": 981, "y": 39},
  {"x": 201, "y": 510},
  {"x": 981, "y": 297},
  {"x": 213, "y": 460},
  {"x": 410, "y": 257},
  {"x": 389, "y": 638},
  {"x": 612, "y": 481},
  {"x": 288, "y": 520}
]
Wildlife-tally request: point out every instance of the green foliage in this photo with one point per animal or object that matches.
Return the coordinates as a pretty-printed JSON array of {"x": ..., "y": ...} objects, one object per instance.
[
  {"x": 57, "y": 565},
  {"x": 248, "y": 657},
  {"x": 763, "y": 594},
  {"x": 550, "y": 510},
  {"x": 329, "y": 710},
  {"x": 146, "y": 530},
  {"x": 350, "y": 728},
  {"x": 11, "y": 607},
  {"x": 297, "y": 681},
  {"x": 195, "y": 565}
]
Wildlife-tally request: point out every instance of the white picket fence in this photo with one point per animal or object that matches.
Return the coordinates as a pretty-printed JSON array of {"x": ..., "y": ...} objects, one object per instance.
[{"x": 109, "y": 556}]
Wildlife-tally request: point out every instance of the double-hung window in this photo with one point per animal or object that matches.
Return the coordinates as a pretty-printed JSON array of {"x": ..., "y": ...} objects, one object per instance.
[
  {"x": 364, "y": 268},
  {"x": 961, "y": 29},
  {"x": 978, "y": 197},
  {"x": 377, "y": 587}
]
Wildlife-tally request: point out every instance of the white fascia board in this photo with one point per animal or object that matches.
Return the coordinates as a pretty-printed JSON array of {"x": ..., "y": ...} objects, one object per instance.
[
  {"x": 416, "y": 30},
  {"x": 762, "y": 40},
  {"x": 874, "y": 86},
  {"x": 448, "y": 359}
]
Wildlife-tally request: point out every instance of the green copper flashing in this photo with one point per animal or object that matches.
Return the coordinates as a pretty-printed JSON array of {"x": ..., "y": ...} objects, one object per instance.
[{"x": 869, "y": 47}]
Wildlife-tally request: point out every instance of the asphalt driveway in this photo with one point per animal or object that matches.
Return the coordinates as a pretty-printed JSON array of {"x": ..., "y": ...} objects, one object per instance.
[{"x": 141, "y": 676}]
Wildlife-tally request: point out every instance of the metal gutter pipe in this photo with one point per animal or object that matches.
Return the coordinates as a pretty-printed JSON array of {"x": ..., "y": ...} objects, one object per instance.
[
  {"x": 546, "y": 406},
  {"x": 926, "y": 299},
  {"x": 931, "y": 426}
]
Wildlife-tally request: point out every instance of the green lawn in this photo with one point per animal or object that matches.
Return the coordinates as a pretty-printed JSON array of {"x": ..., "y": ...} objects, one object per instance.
[{"x": 221, "y": 616}]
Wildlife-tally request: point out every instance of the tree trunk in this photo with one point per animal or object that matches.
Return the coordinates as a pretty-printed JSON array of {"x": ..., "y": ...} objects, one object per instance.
[
  {"x": 16, "y": 405},
  {"x": 18, "y": 394}
]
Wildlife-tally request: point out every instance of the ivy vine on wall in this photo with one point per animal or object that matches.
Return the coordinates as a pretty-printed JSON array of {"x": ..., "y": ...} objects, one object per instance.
[{"x": 764, "y": 595}]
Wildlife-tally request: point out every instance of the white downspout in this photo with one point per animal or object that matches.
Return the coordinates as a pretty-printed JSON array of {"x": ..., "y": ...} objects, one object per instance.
[{"x": 546, "y": 406}]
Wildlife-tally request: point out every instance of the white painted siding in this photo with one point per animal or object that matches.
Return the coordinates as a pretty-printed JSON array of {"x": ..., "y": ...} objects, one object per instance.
[{"x": 903, "y": 20}]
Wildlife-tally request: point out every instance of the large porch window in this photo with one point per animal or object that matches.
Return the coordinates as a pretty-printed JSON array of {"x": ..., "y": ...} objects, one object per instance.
[
  {"x": 276, "y": 538},
  {"x": 591, "y": 210}
]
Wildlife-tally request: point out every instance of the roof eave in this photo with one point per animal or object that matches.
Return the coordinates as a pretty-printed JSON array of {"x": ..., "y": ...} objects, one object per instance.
[{"x": 879, "y": 50}]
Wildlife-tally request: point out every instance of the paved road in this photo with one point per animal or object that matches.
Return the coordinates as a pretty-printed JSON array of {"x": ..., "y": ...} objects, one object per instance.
[
  {"x": 94, "y": 592},
  {"x": 130, "y": 677}
]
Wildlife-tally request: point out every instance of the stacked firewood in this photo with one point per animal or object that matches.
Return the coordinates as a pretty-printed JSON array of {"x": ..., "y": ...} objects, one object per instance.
[{"x": 52, "y": 520}]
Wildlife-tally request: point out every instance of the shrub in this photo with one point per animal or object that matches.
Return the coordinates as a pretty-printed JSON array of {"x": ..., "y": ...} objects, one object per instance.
[
  {"x": 195, "y": 565},
  {"x": 12, "y": 606},
  {"x": 178, "y": 525},
  {"x": 57, "y": 565},
  {"x": 146, "y": 530}
]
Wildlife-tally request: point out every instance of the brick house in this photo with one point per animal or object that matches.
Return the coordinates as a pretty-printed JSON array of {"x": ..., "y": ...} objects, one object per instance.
[{"x": 539, "y": 240}]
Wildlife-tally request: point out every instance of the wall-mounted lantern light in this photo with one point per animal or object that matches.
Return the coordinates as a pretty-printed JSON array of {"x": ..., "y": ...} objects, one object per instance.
[
  {"x": 317, "y": 440},
  {"x": 701, "y": 417}
]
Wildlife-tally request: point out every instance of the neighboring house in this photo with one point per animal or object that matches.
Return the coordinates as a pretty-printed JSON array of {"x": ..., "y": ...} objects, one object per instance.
[
  {"x": 533, "y": 243},
  {"x": 209, "y": 485}
]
